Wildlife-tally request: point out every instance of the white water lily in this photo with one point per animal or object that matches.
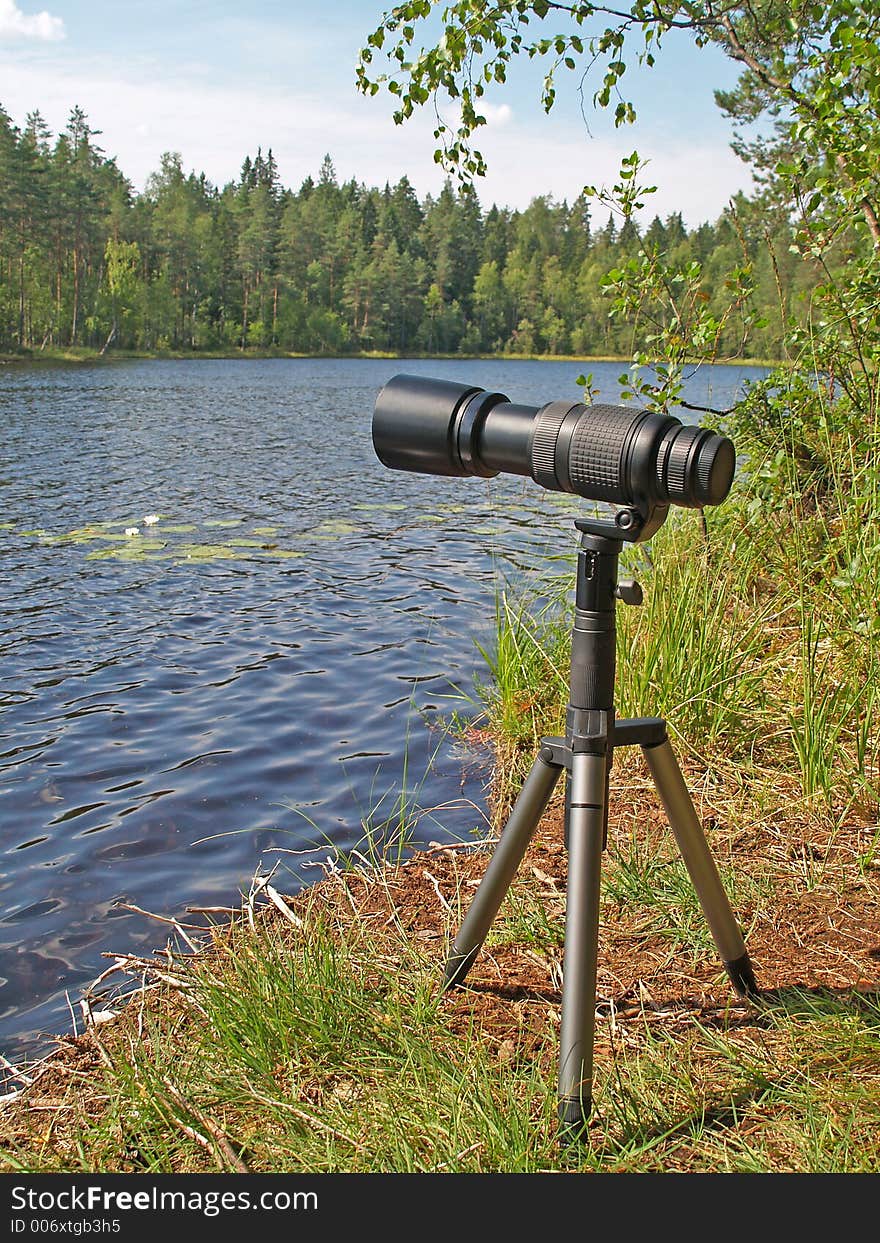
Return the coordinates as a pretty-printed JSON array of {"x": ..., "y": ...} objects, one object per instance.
[
  {"x": 151, "y": 520},
  {"x": 132, "y": 530}
]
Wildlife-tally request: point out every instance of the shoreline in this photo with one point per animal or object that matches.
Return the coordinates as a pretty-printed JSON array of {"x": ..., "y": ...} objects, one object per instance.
[{"x": 82, "y": 355}]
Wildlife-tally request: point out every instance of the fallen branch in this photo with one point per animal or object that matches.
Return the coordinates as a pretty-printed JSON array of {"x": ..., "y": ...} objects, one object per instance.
[
  {"x": 439, "y": 848},
  {"x": 428, "y": 876},
  {"x": 306, "y": 1117},
  {"x": 164, "y": 919},
  {"x": 220, "y": 1139},
  {"x": 277, "y": 901},
  {"x": 15, "y": 1072}
]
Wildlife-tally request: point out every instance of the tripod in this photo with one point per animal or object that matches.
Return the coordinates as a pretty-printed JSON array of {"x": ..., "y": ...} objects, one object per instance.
[{"x": 586, "y": 755}]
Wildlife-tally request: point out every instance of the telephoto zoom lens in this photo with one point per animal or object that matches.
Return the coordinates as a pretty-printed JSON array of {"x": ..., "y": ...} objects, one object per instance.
[{"x": 604, "y": 453}]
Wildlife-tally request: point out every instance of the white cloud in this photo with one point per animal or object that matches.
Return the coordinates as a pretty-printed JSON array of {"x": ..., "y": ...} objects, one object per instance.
[
  {"x": 496, "y": 115},
  {"x": 697, "y": 178},
  {"x": 17, "y": 25}
]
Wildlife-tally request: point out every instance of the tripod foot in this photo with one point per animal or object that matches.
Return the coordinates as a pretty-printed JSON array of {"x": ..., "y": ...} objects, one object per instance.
[
  {"x": 574, "y": 1114},
  {"x": 457, "y": 967},
  {"x": 742, "y": 976}
]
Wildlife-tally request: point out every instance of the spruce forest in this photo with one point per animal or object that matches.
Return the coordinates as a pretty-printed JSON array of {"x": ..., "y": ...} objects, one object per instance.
[{"x": 332, "y": 268}]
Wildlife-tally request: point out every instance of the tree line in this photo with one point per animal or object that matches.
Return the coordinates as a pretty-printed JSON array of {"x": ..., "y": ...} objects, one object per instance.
[{"x": 332, "y": 267}]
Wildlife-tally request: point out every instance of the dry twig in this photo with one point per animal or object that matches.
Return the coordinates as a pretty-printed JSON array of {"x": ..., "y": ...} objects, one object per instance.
[
  {"x": 220, "y": 1142},
  {"x": 164, "y": 919}
]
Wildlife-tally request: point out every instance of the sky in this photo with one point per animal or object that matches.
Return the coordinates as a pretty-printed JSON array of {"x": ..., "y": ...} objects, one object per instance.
[{"x": 215, "y": 80}]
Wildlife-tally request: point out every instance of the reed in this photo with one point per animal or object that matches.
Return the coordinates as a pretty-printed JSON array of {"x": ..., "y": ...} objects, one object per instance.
[{"x": 763, "y": 657}]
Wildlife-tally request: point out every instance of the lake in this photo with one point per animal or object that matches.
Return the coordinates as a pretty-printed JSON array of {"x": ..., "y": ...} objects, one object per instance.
[{"x": 266, "y": 669}]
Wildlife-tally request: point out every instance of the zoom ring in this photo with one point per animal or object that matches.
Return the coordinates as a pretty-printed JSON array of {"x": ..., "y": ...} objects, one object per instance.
[{"x": 596, "y": 452}]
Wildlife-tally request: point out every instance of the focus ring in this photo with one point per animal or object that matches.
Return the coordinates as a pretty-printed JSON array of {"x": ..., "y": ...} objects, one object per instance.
[
  {"x": 548, "y": 421},
  {"x": 677, "y": 464}
]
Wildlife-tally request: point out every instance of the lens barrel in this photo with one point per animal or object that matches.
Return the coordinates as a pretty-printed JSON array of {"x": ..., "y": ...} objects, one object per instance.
[{"x": 602, "y": 452}]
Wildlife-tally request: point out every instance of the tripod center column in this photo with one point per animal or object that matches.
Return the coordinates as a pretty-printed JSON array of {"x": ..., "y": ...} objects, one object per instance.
[{"x": 591, "y": 690}]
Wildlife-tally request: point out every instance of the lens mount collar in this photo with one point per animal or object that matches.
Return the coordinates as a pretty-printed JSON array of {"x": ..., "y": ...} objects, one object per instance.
[{"x": 466, "y": 435}]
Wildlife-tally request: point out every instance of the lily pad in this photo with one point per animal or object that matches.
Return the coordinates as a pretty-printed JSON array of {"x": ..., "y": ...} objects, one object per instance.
[
  {"x": 132, "y": 550},
  {"x": 179, "y": 528},
  {"x": 393, "y": 505},
  {"x": 223, "y": 522},
  {"x": 207, "y": 552},
  {"x": 333, "y": 526},
  {"x": 82, "y": 535},
  {"x": 246, "y": 543},
  {"x": 6, "y": 526},
  {"x": 265, "y": 530}
]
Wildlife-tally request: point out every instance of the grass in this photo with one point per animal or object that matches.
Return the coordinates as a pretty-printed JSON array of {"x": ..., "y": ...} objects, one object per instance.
[{"x": 695, "y": 651}]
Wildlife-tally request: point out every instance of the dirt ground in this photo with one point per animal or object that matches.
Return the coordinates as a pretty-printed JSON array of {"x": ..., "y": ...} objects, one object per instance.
[{"x": 822, "y": 938}]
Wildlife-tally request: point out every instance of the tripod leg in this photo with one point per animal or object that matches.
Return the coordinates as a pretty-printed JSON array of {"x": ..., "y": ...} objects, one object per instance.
[
  {"x": 518, "y": 832},
  {"x": 586, "y": 831},
  {"x": 699, "y": 863}
]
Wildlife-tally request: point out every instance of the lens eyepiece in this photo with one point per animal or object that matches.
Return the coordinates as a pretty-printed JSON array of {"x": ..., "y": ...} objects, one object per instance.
[
  {"x": 695, "y": 467},
  {"x": 716, "y": 466}
]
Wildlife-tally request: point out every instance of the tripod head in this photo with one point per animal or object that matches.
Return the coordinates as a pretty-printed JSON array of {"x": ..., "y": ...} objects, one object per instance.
[{"x": 633, "y": 523}]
